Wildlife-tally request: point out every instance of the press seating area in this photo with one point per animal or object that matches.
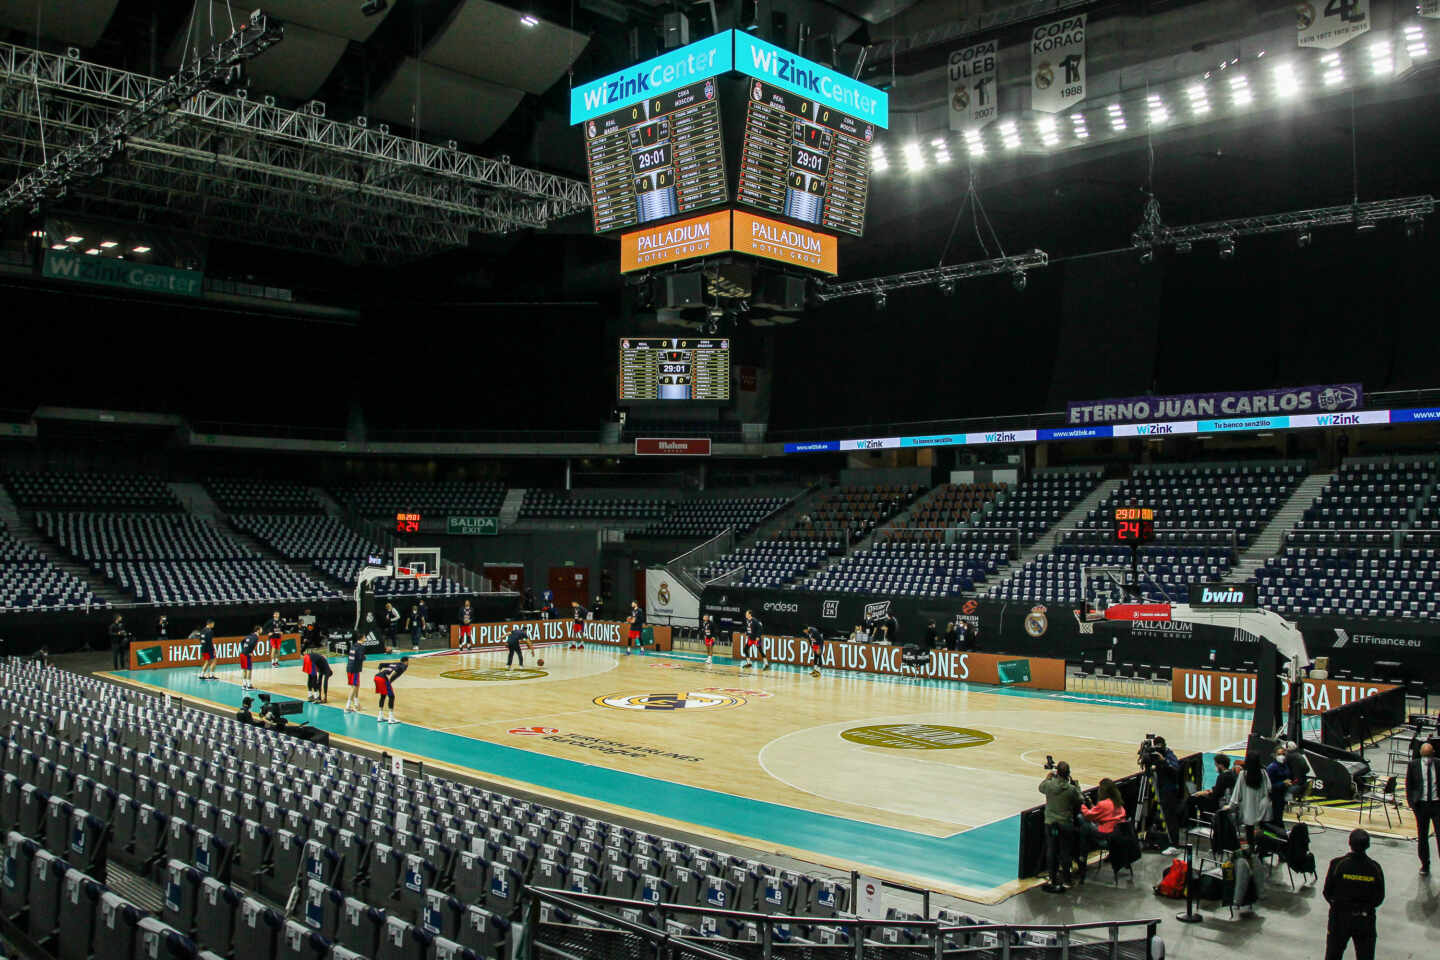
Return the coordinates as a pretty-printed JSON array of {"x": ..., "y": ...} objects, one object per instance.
[
  {"x": 245, "y": 495},
  {"x": 263, "y": 846},
  {"x": 384, "y": 498},
  {"x": 1056, "y": 577},
  {"x": 348, "y": 571},
  {"x": 1038, "y": 502},
  {"x": 568, "y": 505},
  {"x": 1238, "y": 497},
  {"x": 30, "y": 582},
  {"x": 771, "y": 563},
  {"x": 708, "y": 517},
  {"x": 949, "y": 505},
  {"x": 108, "y": 491},
  {"x": 897, "y": 568},
  {"x": 306, "y": 537}
]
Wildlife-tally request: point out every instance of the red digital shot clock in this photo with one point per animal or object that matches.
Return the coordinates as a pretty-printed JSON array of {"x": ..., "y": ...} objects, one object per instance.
[
  {"x": 407, "y": 523},
  {"x": 1134, "y": 526}
]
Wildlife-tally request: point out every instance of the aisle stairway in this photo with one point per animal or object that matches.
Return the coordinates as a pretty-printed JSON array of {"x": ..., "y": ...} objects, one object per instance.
[
  {"x": 20, "y": 528},
  {"x": 510, "y": 508},
  {"x": 1271, "y": 540},
  {"x": 1051, "y": 537}
]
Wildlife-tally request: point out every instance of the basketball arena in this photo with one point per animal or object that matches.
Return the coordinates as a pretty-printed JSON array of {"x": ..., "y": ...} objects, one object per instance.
[{"x": 485, "y": 480}]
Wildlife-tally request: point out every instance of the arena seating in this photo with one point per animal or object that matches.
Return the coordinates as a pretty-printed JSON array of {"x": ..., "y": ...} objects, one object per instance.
[
  {"x": 306, "y": 537},
  {"x": 1371, "y": 496},
  {"x": 949, "y": 505},
  {"x": 568, "y": 505},
  {"x": 100, "y": 537},
  {"x": 267, "y": 846},
  {"x": 1056, "y": 577},
  {"x": 771, "y": 563},
  {"x": 919, "y": 569},
  {"x": 29, "y": 581},
  {"x": 111, "y": 491},
  {"x": 1038, "y": 502},
  {"x": 192, "y": 583},
  {"x": 382, "y": 498},
  {"x": 853, "y": 512},
  {"x": 348, "y": 571},
  {"x": 1236, "y": 497},
  {"x": 245, "y": 495},
  {"x": 706, "y": 518}
]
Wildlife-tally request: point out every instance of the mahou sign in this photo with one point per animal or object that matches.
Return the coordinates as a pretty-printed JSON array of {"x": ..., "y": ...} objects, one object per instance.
[
  {"x": 610, "y": 632},
  {"x": 672, "y": 446}
]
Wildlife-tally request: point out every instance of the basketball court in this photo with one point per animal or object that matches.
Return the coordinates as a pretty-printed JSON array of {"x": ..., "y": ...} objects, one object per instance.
[{"x": 916, "y": 781}]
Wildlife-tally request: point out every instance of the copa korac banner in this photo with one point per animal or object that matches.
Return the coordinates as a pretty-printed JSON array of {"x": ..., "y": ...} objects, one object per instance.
[
  {"x": 1430, "y": 8},
  {"x": 1324, "y": 398},
  {"x": 1330, "y": 23},
  {"x": 1057, "y": 64},
  {"x": 973, "y": 89}
]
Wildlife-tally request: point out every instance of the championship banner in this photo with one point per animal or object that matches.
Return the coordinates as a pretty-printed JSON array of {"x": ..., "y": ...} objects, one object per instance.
[
  {"x": 1040, "y": 673},
  {"x": 186, "y": 653},
  {"x": 1430, "y": 8},
  {"x": 1218, "y": 688},
  {"x": 1329, "y": 23},
  {"x": 1057, "y": 64},
  {"x": 974, "y": 91},
  {"x": 611, "y": 633},
  {"x": 1323, "y": 398}
]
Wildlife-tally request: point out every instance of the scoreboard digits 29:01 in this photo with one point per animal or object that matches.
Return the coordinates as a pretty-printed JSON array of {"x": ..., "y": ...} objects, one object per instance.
[{"x": 1134, "y": 525}]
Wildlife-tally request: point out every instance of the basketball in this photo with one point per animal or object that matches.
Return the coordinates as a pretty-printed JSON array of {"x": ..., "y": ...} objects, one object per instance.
[{"x": 540, "y": 662}]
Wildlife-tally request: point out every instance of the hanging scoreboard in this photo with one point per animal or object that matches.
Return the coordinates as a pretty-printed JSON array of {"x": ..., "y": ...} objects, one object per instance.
[
  {"x": 674, "y": 369},
  {"x": 805, "y": 161},
  {"x": 657, "y": 159}
]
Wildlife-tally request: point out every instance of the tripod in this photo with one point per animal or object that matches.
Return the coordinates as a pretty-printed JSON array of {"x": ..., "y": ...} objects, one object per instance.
[{"x": 1149, "y": 813}]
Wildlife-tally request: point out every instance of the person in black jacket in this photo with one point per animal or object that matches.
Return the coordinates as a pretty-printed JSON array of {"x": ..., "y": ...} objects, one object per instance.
[
  {"x": 354, "y": 666},
  {"x": 578, "y": 615},
  {"x": 751, "y": 649},
  {"x": 817, "y": 649},
  {"x": 709, "y": 634},
  {"x": 392, "y": 624},
  {"x": 322, "y": 672},
  {"x": 1354, "y": 888},
  {"x": 385, "y": 679},
  {"x": 162, "y": 628},
  {"x": 637, "y": 625},
  {"x": 119, "y": 642},
  {"x": 931, "y": 636},
  {"x": 247, "y": 657},
  {"x": 207, "y": 650},
  {"x": 243, "y": 714},
  {"x": 276, "y": 629},
  {"x": 1422, "y": 792}
]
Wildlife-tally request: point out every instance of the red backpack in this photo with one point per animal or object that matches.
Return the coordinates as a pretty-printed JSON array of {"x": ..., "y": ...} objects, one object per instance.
[{"x": 1172, "y": 885}]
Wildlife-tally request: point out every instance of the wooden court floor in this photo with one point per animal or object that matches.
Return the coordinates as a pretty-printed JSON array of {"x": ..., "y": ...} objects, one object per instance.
[{"x": 873, "y": 758}]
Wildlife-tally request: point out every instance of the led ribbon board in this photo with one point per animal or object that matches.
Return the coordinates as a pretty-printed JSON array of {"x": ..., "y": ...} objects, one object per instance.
[
  {"x": 781, "y": 68},
  {"x": 658, "y": 75}
]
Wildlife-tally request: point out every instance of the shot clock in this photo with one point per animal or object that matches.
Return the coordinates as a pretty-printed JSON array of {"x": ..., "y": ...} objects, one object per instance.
[
  {"x": 1134, "y": 526},
  {"x": 407, "y": 523}
]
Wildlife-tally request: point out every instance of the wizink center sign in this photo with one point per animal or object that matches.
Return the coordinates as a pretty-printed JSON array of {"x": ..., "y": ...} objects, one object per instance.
[
  {"x": 726, "y": 52},
  {"x": 109, "y": 272}
]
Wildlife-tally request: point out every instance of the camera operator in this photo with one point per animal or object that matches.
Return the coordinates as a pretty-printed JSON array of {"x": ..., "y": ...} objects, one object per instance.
[
  {"x": 162, "y": 628},
  {"x": 1062, "y": 805},
  {"x": 1164, "y": 766},
  {"x": 119, "y": 642}
]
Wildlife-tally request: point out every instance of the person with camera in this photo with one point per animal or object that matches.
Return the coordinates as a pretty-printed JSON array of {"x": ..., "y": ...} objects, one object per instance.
[
  {"x": 1062, "y": 805},
  {"x": 1164, "y": 766},
  {"x": 119, "y": 642}
]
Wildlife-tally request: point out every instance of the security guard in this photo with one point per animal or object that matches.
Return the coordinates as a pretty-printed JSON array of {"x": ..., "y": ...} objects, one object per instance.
[{"x": 1354, "y": 888}]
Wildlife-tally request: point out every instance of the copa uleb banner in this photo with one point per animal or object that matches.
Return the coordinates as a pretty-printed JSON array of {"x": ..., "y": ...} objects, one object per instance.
[
  {"x": 186, "y": 653},
  {"x": 1220, "y": 688},
  {"x": 1041, "y": 673},
  {"x": 609, "y": 632}
]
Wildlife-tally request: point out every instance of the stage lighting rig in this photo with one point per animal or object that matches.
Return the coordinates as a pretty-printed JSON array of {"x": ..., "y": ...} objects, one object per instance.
[
  {"x": 1019, "y": 281},
  {"x": 87, "y": 157},
  {"x": 934, "y": 276},
  {"x": 1227, "y": 248},
  {"x": 372, "y": 7}
]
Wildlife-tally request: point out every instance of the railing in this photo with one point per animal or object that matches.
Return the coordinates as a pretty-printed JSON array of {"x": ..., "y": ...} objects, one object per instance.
[
  {"x": 717, "y": 546},
  {"x": 608, "y": 926}
]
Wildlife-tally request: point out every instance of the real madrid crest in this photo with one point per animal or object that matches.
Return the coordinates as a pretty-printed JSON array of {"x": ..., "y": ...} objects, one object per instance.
[
  {"x": 1036, "y": 622},
  {"x": 664, "y": 593}
]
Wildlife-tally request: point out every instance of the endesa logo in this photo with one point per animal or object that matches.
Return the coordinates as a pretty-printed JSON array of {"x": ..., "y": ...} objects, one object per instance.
[{"x": 775, "y": 606}]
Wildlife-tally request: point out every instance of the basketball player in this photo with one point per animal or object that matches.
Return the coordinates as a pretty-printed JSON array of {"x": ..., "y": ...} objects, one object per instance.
[
  {"x": 392, "y": 624},
  {"x": 547, "y": 609},
  {"x": 707, "y": 633},
  {"x": 512, "y": 646},
  {"x": 385, "y": 679},
  {"x": 467, "y": 628},
  {"x": 307, "y": 666},
  {"x": 247, "y": 657},
  {"x": 354, "y": 666},
  {"x": 637, "y": 624},
  {"x": 416, "y": 625},
  {"x": 750, "y": 646},
  {"x": 322, "y": 674},
  {"x": 207, "y": 650},
  {"x": 577, "y": 625},
  {"x": 817, "y": 649},
  {"x": 277, "y": 629}
]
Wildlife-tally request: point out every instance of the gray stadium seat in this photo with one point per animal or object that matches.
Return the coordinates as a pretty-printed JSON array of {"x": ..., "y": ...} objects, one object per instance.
[
  {"x": 778, "y": 895},
  {"x": 322, "y": 906},
  {"x": 86, "y": 848},
  {"x": 450, "y": 950},
  {"x": 360, "y": 926},
  {"x": 442, "y": 914},
  {"x": 337, "y": 952},
  {"x": 215, "y": 926},
  {"x": 319, "y": 862},
  {"x": 620, "y": 882},
  {"x": 288, "y": 852},
  {"x": 655, "y": 889},
  {"x": 384, "y": 876},
  {"x": 299, "y": 942},
  {"x": 718, "y": 893},
  {"x": 115, "y": 924},
  {"x": 182, "y": 895},
  {"x": 470, "y": 878},
  {"x": 254, "y": 852},
  {"x": 418, "y": 875},
  {"x": 150, "y": 835},
  {"x": 15, "y": 883},
  {"x": 81, "y": 904},
  {"x": 505, "y": 889},
  {"x": 483, "y": 931},
  {"x": 402, "y": 940},
  {"x": 156, "y": 940},
  {"x": 57, "y": 823},
  {"x": 257, "y": 931},
  {"x": 31, "y": 819},
  {"x": 9, "y": 801},
  {"x": 47, "y": 885}
]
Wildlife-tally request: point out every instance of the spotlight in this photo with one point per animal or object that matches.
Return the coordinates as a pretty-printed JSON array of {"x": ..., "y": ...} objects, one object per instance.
[
  {"x": 1147, "y": 256},
  {"x": 1018, "y": 280},
  {"x": 1302, "y": 240},
  {"x": 881, "y": 301},
  {"x": 371, "y": 7},
  {"x": 947, "y": 288},
  {"x": 1364, "y": 228},
  {"x": 1227, "y": 248},
  {"x": 530, "y": 20}
]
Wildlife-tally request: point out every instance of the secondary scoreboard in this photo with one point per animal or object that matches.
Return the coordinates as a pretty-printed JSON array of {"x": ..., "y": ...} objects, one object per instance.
[
  {"x": 804, "y": 160},
  {"x": 674, "y": 369},
  {"x": 657, "y": 159}
]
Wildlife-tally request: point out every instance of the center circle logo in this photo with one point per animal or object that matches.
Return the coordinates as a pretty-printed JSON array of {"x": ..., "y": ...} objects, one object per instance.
[
  {"x": 916, "y": 736},
  {"x": 693, "y": 700},
  {"x": 495, "y": 673}
]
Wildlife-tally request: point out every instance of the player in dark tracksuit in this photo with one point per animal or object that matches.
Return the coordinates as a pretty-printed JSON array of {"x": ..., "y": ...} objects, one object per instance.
[
  {"x": 207, "y": 651},
  {"x": 321, "y": 671},
  {"x": 577, "y": 625},
  {"x": 416, "y": 625},
  {"x": 385, "y": 679},
  {"x": 1354, "y": 888},
  {"x": 817, "y": 649},
  {"x": 512, "y": 646},
  {"x": 247, "y": 656},
  {"x": 750, "y": 647},
  {"x": 277, "y": 630},
  {"x": 637, "y": 626},
  {"x": 547, "y": 604},
  {"x": 354, "y": 666},
  {"x": 709, "y": 634}
]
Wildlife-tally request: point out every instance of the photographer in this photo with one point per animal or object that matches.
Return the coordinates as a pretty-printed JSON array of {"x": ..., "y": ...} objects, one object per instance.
[
  {"x": 1164, "y": 766},
  {"x": 119, "y": 642},
  {"x": 1062, "y": 805}
]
